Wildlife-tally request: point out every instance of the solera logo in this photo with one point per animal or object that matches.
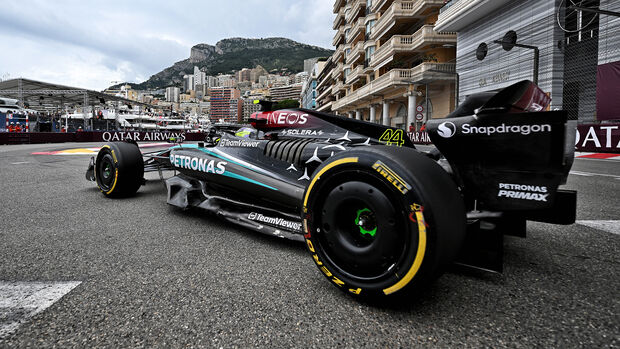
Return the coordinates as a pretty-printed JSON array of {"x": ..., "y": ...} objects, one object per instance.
[{"x": 446, "y": 129}]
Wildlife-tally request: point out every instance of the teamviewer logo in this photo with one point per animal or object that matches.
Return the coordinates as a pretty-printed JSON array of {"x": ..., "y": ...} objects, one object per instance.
[
  {"x": 252, "y": 216},
  {"x": 446, "y": 129}
]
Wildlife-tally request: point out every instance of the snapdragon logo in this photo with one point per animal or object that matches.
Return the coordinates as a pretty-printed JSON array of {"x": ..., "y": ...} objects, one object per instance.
[
  {"x": 503, "y": 129},
  {"x": 446, "y": 129}
]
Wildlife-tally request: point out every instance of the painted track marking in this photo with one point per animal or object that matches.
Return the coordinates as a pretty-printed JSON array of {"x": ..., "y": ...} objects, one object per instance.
[
  {"x": 609, "y": 226},
  {"x": 19, "y": 301},
  {"x": 95, "y": 150},
  {"x": 590, "y": 174}
]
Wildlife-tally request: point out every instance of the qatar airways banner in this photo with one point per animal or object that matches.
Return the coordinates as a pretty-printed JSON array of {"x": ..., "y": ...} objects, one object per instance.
[
  {"x": 418, "y": 137},
  {"x": 598, "y": 138},
  {"x": 138, "y": 136}
]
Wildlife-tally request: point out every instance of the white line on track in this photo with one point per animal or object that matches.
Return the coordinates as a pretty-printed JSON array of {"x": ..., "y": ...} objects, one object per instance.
[
  {"x": 609, "y": 226},
  {"x": 20, "y": 163},
  {"x": 20, "y": 301},
  {"x": 590, "y": 174}
]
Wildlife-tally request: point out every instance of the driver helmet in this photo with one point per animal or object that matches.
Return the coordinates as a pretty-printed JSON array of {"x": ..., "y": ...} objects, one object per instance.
[{"x": 245, "y": 132}]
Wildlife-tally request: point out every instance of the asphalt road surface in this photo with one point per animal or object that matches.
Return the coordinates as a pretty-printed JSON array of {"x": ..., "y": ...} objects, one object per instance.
[{"x": 79, "y": 270}]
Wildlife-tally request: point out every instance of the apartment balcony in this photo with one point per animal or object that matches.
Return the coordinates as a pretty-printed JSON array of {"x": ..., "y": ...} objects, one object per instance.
[
  {"x": 379, "y": 5},
  {"x": 396, "y": 79},
  {"x": 339, "y": 37},
  {"x": 338, "y": 4},
  {"x": 370, "y": 17},
  {"x": 339, "y": 18},
  {"x": 367, "y": 67},
  {"x": 339, "y": 86},
  {"x": 326, "y": 81},
  {"x": 337, "y": 71},
  {"x": 356, "y": 52},
  {"x": 354, "y": 75},
  {"x": 400, "y": 15},
  {"x": 338, "y": 54},
  {"x": 322, "y": 94},
  {"x": 356, "y": 6},
  {"x": 409, "y": 44},
  {"x": 325, "y": 107},
  {"x": 358, "y": 28},
  {"x": 458, "y": 14}
]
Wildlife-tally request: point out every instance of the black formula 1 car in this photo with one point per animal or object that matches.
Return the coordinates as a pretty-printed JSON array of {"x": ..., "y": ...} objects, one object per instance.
[{"x": 378, "y": 216}]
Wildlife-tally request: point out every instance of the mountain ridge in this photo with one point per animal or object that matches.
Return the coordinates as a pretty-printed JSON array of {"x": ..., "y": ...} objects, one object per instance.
[{"x": 233, "y": 54}]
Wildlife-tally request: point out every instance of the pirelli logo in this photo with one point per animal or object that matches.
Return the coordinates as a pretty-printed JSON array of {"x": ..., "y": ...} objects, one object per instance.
[{"x": 392, "y": 177}]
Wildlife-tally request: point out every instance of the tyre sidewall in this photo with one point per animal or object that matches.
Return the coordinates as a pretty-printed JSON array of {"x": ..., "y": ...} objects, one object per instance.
[
  {"x": 410, "y": 198},
  {"x": 128, "y": 165}
]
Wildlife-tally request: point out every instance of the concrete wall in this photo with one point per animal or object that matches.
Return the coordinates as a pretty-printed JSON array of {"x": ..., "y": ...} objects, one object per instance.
[
  {"x": 534, "y": 23},
  {"x": 609, "y": 33}
]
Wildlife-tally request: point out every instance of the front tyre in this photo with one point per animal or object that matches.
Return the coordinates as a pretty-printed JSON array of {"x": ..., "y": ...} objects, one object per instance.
[
  {"x": 382, "y": 221},
  {"x": 119, "y": 169}
]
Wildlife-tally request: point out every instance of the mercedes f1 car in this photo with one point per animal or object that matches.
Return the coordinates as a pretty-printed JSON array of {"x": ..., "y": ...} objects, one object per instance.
[{"x": 378, "y": 216}]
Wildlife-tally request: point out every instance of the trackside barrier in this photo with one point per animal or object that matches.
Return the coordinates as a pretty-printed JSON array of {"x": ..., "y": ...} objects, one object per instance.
[
  {"x": 61, "y": 137},
  {"x": 600, "y": 138},
  {"x": 418, "y": 137},
  {"x": 17, "y": 119}
]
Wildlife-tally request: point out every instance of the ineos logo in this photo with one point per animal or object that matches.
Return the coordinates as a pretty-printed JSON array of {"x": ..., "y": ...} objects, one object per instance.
[{"x": 446, "y": 129}]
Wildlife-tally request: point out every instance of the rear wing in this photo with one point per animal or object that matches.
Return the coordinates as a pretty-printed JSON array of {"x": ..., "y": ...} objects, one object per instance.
[{"x": 505, "y": 158}]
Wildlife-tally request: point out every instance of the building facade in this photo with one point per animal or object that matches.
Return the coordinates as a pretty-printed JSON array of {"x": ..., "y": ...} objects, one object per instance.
[
  {"x": 286, "y": 92},
  {"x": 308, "y": 91},
  {"x": 390, "y": 65},
  {"x": 188, "y": 82},
  {"x": 324, "y": 97},
  {"x": 173, "y": 94},
  {"x": 226, "y": 80},
  {"x": 249, "y": 107},
  {"x": 572, "y": 46},
  {"x": 199, "y": 77},
  {"x": 226, "y": 105},
  {"x": 244, "y": 75}
]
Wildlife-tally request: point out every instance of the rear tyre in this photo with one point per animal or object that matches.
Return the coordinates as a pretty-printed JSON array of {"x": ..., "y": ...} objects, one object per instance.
[
  {"x": 382, "y": 221},
  {"x": 119, "y": 169}
]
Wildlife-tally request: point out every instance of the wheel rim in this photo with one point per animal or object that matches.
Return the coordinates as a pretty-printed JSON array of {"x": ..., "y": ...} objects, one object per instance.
[
  {"x": 361, "y": 231},
  {"x": 106, "y": 172}
]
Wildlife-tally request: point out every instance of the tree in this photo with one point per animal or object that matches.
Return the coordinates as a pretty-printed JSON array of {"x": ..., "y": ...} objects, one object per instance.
[{"x": 287, "y": 104}]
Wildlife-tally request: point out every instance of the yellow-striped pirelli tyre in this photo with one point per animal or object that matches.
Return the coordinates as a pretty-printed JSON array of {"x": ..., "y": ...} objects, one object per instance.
[
  {"x": 119, "y": 169},
  {"x": 382, "y": 221}
]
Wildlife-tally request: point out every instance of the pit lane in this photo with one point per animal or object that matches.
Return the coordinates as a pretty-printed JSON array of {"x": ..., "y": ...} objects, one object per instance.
[{"x": 152, "y": 275}]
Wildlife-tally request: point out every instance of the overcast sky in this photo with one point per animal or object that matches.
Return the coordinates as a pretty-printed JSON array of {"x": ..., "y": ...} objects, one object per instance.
[{"x": 90, "y": 44}]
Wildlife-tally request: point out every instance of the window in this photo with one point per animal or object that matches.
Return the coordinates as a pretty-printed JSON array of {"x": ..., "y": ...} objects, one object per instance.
[
  {"x": 369, "y": 51},
  {"x": 369, "y": 26},
  {"x": 346, "y": 34}
]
